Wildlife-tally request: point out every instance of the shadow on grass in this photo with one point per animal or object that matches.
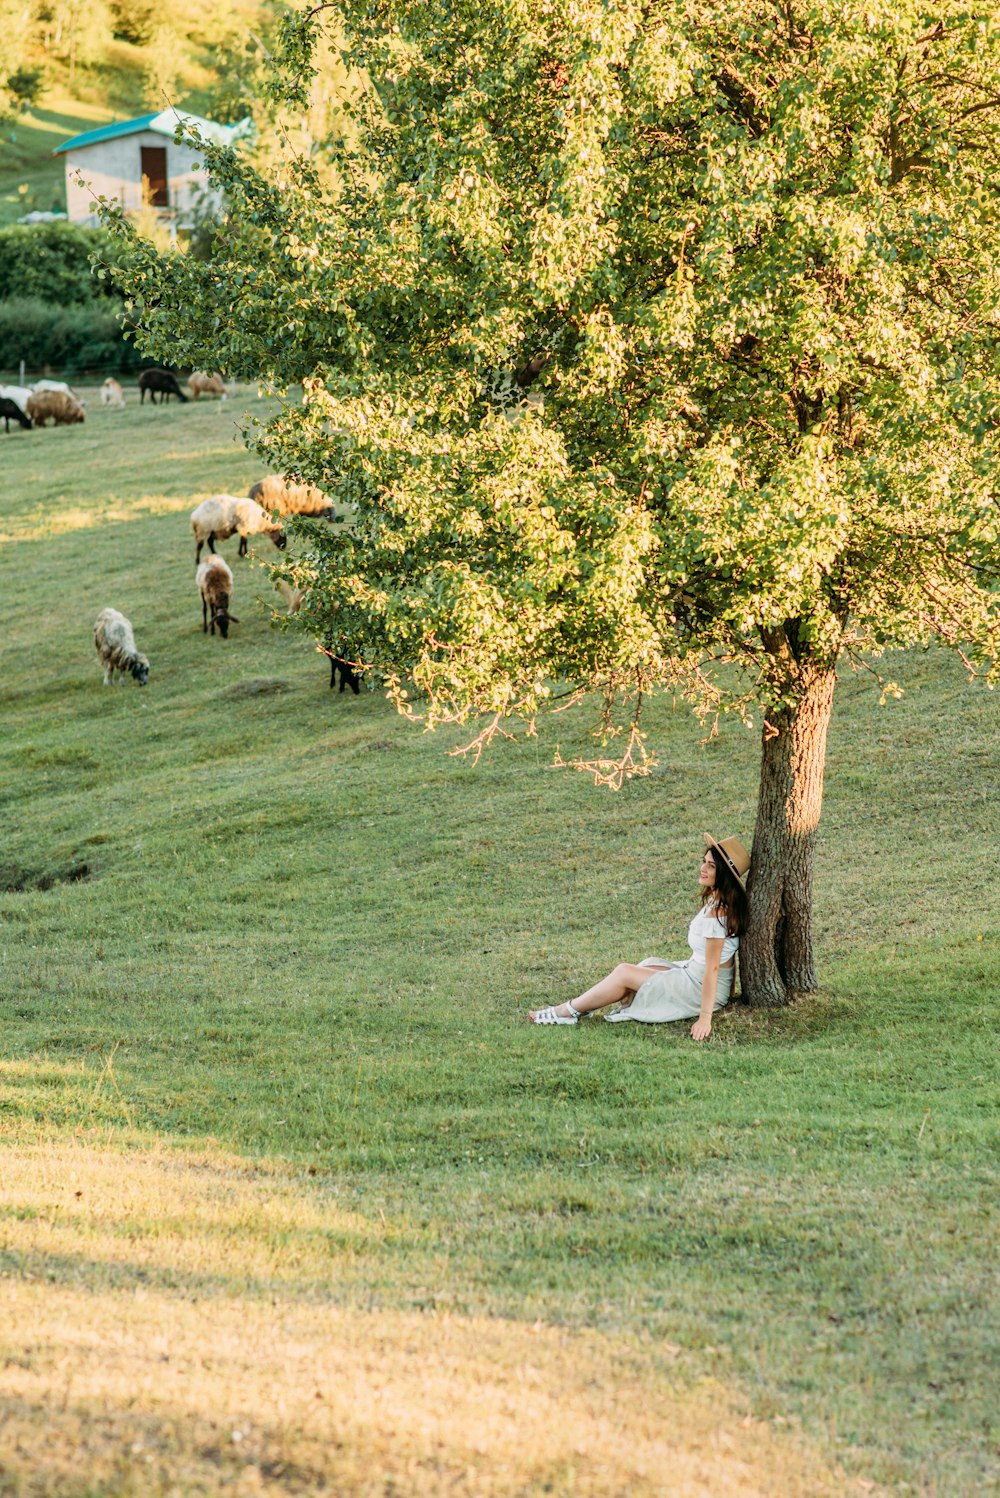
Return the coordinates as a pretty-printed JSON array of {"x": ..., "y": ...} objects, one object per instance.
[
  {"x": 811, "y": 1017},
  {"x": 57, "y": 122}
]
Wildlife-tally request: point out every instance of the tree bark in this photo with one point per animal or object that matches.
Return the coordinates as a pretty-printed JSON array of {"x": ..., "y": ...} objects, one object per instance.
[{"x": 776, "y": 954}]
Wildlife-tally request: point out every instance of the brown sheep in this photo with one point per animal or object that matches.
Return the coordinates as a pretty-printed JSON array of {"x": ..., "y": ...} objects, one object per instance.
[
  {"x": 282, "y": 497},
  {"x": 206, "y": 384},
  {"x": 215, "y": 584},
  {"x": 55, "y": 406}
]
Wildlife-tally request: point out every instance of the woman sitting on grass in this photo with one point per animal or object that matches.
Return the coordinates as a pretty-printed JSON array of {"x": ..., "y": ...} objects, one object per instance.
[{"x": 679, "y": 990}]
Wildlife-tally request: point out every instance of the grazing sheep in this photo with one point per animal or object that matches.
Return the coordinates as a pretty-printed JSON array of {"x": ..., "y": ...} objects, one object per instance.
[
  {"x": 61, "y": 386},
  {"x": 211, "y": 521},
  {"x": 207, "y": 384},
  {"x": 215, "y": 583},
  {"x": 112, "y": 394},
  {"x": 54, "y": 405},
  {"x": 251, "y": 520},
  {"x": 19, "y": 394},
  {"x": 293, "y": 596},
  {"x": 217, "y": 518},
  {"x": 11, "y": 411},
  {"x": 160, "y": 380},
  {"x": 348, "y": 676},
  {"x": 116, "y": 650},
  {"x": 282, "y": 497}
]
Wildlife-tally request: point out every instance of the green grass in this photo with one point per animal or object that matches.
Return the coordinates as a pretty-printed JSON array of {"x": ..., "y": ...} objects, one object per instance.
[{"x": 297, "y": 966}]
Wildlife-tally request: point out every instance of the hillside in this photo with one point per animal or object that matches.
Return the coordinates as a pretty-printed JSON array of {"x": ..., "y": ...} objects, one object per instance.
[
  {"x": 31, "y": 178},
  {"x": 192, "y": 58},
  {"x": 293, "y": 1200}
]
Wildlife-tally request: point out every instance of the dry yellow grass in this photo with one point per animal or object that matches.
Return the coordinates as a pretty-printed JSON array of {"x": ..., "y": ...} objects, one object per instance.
[
  {"x": 47, "y": 522},
  {"x": 157, "y": 1339}
]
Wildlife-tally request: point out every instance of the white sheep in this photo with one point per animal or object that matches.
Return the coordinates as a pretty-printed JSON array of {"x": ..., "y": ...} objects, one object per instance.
[
  {"x": 211, "y": 521},
  {"x": 61, "y": 387},
  {"x": 215, "y": 584},
  {"x": 112, "y": 394},
  {"x": 115, "y": 645},
  {"x": 19, "y": 394},
  {"x": 222, "y": 515}
]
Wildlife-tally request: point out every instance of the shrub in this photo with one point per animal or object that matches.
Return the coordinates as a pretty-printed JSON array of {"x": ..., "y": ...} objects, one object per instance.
[
  {"x": 69, "y": 339},
  {"x": 51, "y": 262},
  {"x": 133, "y": 21}
]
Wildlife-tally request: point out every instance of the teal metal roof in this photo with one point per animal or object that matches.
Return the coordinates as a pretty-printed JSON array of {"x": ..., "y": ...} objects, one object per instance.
[
  {"x": 107, "y": 132},
  {"x": 164, "y": 123}
]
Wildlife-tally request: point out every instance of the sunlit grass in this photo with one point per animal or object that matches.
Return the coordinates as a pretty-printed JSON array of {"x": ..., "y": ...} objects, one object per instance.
[
  {"x": 265, "y": 957},
  {"x": 26, "y": 144},
  {"x": 183, "y": 1339},
  {"x": 73, "y": 478}
]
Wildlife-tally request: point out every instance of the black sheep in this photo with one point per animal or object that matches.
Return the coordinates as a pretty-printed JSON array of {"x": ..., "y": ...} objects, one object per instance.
[
  {"x": 160, "y": 380},
  {"x": 348, "y": 676},
  {"x": 11, "y": 411}
]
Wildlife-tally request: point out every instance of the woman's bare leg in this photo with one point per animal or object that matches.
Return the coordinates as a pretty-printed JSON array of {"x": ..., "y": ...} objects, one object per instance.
[{"x": 620, "y": 983}]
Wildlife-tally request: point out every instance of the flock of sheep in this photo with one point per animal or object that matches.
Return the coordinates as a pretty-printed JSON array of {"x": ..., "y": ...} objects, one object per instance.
[
  {"x": 215, "y": 519},
  {"x": 35, "y": 405},
  {"x": 53, "y": 400}
]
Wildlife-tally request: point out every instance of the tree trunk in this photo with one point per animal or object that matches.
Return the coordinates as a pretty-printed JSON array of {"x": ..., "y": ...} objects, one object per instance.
[{"x": 776, "y": 954}]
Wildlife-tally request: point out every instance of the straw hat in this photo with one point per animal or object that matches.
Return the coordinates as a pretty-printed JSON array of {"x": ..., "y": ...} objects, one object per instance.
[{"x": 733, "y": 852}]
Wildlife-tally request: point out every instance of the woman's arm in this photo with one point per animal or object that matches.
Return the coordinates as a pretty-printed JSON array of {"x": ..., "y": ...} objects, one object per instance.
[{"x": 702, "y": 1027}]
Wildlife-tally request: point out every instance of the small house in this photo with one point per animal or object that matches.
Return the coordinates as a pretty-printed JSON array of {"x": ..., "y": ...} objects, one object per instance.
[{"x": 139, "y": 163}]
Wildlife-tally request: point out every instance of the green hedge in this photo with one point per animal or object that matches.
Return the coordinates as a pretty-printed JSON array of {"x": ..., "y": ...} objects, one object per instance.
[
  {"x": 67, "y": 339},
  {"x": 52, "y": 262}
]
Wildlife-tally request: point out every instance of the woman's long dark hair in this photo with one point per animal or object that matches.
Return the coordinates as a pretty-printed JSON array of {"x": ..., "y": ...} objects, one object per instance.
[{"x": 728, "y": 894}]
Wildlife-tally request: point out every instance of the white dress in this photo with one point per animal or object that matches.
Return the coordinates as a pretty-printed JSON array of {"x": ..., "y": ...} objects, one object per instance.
[{"x": 675, "y": 993}]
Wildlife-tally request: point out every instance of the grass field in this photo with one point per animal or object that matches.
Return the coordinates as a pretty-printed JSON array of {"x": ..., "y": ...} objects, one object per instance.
[{"x": 291, "y": 1199}]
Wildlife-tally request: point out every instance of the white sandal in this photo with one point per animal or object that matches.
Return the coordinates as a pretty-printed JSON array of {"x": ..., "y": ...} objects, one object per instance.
[{"x": 550, "y": 1017}]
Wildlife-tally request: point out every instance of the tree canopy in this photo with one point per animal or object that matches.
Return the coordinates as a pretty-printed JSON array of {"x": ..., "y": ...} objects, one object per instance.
[
  {"x": 133, "y": 52},
  {"x": 642, "y": 339}
]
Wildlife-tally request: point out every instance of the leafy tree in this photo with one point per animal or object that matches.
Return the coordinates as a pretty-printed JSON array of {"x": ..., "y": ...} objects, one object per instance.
[
  {"x": 16, "y": 21},
  {"x": 76, "y": 30},
  {"x": 241, "y": 71},
  {"x": 134, "y": 21},
  {"x": 747, "y": 255},
  {"x": 25, "y": 86}
]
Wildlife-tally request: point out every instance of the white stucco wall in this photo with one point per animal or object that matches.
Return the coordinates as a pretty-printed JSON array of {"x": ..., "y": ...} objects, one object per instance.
[{"x": 112, "y": 169}]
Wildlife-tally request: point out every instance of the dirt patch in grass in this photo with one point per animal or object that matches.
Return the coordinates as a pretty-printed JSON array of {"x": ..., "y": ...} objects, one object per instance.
[
  {"x": 258, "y": 686},
  {"x": 15, "y": 880}
]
